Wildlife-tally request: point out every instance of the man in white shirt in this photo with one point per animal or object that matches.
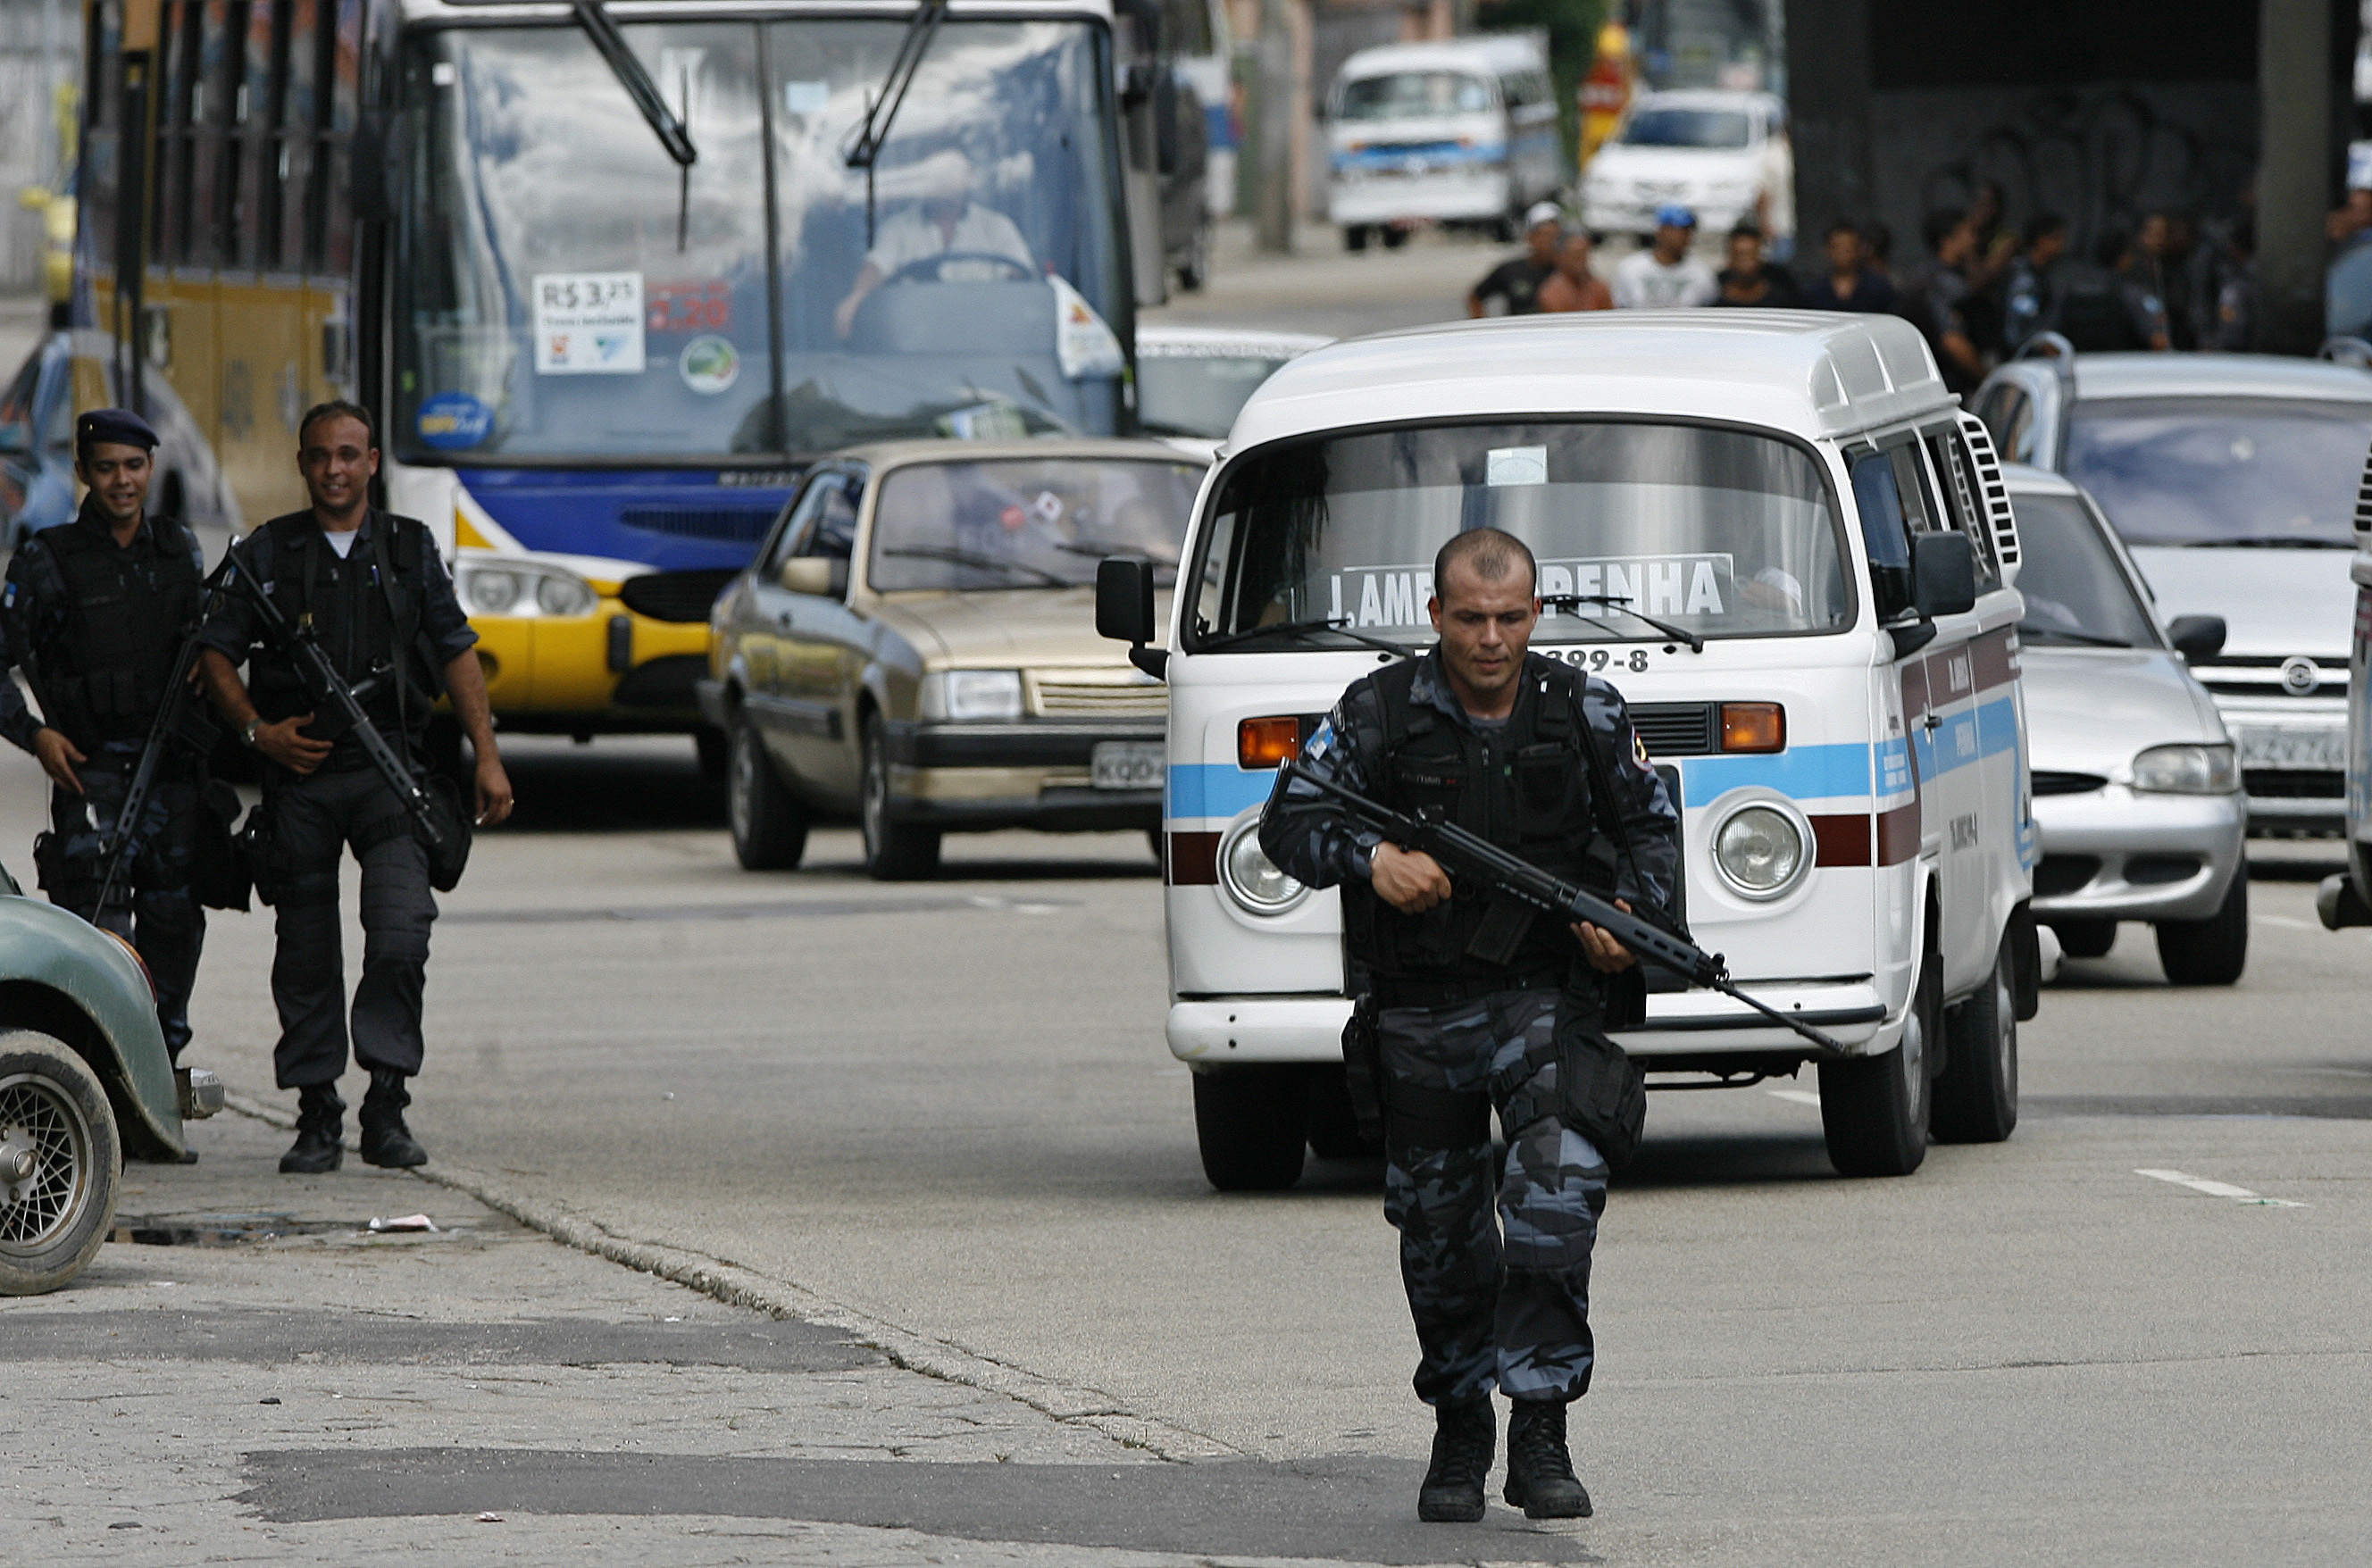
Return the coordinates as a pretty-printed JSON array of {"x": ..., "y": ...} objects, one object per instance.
[
  {"x": 1665, "y": 276},
  {"x": 945, "y": 222}
]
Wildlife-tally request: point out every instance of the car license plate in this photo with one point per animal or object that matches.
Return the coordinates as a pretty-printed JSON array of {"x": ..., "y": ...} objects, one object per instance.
[
  {"x": 2316, "y": 748},
  {"x": 1127, "y": 764}
]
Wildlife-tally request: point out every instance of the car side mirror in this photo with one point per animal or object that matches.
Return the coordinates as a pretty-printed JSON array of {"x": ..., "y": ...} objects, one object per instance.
[
  {"x": 1124, "y": 612},
  {"x": 1943, "y": 574},
  {"x": 2196, "y": 637},
  {"x": 820, "y": 576}
]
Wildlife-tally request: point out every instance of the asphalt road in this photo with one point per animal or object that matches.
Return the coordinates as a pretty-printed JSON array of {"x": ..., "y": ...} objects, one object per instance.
[{"x": 947, "y": 1107}]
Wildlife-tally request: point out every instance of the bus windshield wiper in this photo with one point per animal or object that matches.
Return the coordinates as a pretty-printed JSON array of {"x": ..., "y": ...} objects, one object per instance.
[
  {"x": 954, "y": 556},
  {"x": 627, "y": 67},
  {"x": 1573, "y": 601},
  {"x": 865, "y": 143},
  {"x": 1303, "y": 630},
  {"x": 2088, "y": 639}
]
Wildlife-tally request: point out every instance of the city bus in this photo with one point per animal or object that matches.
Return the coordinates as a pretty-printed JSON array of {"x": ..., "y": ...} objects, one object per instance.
[{"x": 612, "y": 275}]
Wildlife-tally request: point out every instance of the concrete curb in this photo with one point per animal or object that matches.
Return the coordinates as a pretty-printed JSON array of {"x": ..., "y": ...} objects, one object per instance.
[{"x": 738, "y": 1286}]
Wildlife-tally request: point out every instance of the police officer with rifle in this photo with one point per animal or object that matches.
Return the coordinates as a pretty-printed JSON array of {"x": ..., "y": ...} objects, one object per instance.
[
  {"x": 348, "y": 621},
  {"x": 1471, "y": 999},
  {"x": 95, "y": 611}
]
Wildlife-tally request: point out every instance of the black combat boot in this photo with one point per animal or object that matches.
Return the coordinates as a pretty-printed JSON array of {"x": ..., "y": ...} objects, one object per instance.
[
  {"x": 321, "y": 1133},
  {"x": 385, "y": 1140},
  {"x": 1539, "y": 1473},
  {"x": 1465, "y": 1434}
]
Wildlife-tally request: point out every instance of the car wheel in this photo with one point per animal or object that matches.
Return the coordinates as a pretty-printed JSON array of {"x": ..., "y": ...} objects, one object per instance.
[
  {"x": 59, "y": 1164},
  {"x": 715, "y": 751},
  {"x": 1976, "y": 1094},
  {"x": 894, "y": 851},
  {"x": 2086, "y": 938},
  {"x": 1874, "y": 1110},
  {"x": 1355, "y": 236},
  {"x": 769, "y": 823},
  {"x": 1395, "y": 236},
  {"x": 1252, "y": 1124},
  {"x": 2212, "y": 952}
]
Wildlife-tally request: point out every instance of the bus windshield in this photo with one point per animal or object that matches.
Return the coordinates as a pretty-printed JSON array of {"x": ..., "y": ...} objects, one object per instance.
[
  {"x": 566, "y": 291},
  {"x": 1724, "y": 532}
]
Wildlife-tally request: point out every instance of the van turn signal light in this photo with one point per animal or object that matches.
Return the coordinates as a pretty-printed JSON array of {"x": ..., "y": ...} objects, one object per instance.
[
  {"x": 1267, "y": 743},
  {"x": 1753, "y": 726}
]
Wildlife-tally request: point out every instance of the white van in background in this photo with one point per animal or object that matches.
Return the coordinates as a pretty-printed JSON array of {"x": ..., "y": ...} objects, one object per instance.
[{"x": 1459, "y": 131}]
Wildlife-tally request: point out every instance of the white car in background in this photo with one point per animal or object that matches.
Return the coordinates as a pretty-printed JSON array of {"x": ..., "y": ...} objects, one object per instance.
[
  {"x": 1724, "y": 154},
  {"x": 1192, "y": 380}
]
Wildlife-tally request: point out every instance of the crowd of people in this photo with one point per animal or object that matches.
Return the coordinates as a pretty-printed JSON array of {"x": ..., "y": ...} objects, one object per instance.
[{"x": 1983, "y": 289}]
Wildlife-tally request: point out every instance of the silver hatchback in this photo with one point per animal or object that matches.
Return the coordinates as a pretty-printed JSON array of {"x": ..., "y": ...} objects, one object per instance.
[{"x": 2137, "y": 799}]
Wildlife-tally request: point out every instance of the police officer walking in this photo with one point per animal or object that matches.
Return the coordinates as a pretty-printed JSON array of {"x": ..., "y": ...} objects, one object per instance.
[
  {"x": 377, "y": 599},
  {"x": 95, "y": 610},
  {"x": 1475, "y": 1002}
]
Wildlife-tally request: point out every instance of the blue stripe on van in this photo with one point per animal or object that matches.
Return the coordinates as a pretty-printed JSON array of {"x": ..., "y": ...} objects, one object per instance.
[
  {"x": 1215, "y": 789},
  {"x": 1802, "y": 772}
]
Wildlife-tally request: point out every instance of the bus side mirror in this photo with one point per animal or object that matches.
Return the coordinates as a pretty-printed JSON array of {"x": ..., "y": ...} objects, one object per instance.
[
  {"x": 1124, "y": 612},
  {"x": 1943, "y": 574},
  {"x": 2196, "y": 637}
]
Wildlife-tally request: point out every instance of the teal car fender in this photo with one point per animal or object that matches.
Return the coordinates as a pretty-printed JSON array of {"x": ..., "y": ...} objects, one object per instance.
[{"x": 63, "y": 977}]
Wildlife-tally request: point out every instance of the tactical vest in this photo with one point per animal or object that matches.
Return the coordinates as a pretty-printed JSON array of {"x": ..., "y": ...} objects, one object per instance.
[
  {"x": 361, "y": 608},
  {"x": 1524, "y": 786},
  {"x": 126, "y": 616}
]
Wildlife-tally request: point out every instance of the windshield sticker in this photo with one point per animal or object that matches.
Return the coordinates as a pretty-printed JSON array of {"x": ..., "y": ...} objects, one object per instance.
[
  {"x": 1658, "y": 585},
  {"x": 806, "y": 97},
  {"x": 709, "y": 365},
  {"x": 691, "y": 307},
  {"x": 454, "y": 422},
  {"x": 1517, "y": 465},
  {"x": 588, "y": 324},
  {"x": 984, "y": 422},
  {"x": 1084, "y": 345}
]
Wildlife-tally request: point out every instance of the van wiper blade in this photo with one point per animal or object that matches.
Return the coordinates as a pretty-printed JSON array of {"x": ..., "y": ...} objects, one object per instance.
[
  {"x": 956, "y": 557},
  {"x": 627, "y": 67},
  {"x": 1302, "y": 630},
  {"x": 2027, "y": 629},
  {"x": 864, "y": 145},
  {"x": 1574, "y": 601}
]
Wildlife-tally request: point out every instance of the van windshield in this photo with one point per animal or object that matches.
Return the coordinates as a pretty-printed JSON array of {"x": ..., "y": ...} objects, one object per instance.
[
  {"x": 1724, "y": 532},
  {"x": 1673, "y": 127},
  {"x": 1414, "y": 95}
]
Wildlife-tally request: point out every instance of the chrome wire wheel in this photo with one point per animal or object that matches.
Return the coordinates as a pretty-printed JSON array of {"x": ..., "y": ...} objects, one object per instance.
[{"x": 48, "y": 1163}]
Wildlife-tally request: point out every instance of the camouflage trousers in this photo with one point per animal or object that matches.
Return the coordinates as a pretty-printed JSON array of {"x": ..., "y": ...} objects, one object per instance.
[
  {"x": 1498, "y": 1298},
  {"x": 152, "y": 905}
]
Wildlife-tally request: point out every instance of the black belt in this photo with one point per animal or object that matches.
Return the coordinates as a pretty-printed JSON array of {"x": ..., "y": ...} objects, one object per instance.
[{"x": 1457, "y": 991}]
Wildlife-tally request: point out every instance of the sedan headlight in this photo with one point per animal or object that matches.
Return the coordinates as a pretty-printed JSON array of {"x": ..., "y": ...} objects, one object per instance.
[
  {"x": 1250, "y": 877},
  {"x": 1761, "y": 850},
  {"x": 967, "y": 696},
  {"x": 2187, "y": 769},
  {"x": 508, "y": 585}
]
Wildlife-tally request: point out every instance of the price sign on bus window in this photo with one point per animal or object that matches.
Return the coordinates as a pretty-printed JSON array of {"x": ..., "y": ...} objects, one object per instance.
[
  {"x": 588, "y": 324},
  {"x": 705, "y": 307}
]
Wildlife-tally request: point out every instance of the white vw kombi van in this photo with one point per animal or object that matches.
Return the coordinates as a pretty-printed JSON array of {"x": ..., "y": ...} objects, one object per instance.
[{"x": 1793, "y": 556}]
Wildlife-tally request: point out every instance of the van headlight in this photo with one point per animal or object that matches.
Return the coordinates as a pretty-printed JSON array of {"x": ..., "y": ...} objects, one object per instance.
[
  {"x": 508, "y": 585},
  {"x": 1250, "y": 877},
  {"x": 968, "y": 696},
  {"x": 1761, "y": 851},
  {"x": 2187, "y": 769}
]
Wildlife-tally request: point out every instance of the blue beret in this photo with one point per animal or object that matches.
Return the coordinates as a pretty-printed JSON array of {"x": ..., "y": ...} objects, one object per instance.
[{"x": 118, "y": 426}]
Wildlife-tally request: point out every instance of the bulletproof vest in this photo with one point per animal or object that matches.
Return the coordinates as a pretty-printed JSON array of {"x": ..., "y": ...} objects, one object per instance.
[
  {"x": 2093, "y": 310},
  {"x": 363, "y": 611},
  {"x": 1524, "y": 786},
  {"x": 127, "y": 612}
]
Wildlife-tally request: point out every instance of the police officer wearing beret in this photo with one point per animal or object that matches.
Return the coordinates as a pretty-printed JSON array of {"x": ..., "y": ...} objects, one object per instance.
[
  {"x": 378, "y": 598},
  {"x": 1479, "y": 1005},
  {"x": 95, "y": 612}
]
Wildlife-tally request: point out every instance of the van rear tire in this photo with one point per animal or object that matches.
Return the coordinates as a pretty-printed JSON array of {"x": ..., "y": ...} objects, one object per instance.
[
  {"x": 1875, "y": 1110},
  {"x": 1976, "y": 1095},
  {"x": 1252, "y": 1124}
]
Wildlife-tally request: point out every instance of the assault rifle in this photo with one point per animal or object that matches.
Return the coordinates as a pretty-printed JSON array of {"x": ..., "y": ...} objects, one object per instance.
[
  {"x": 1486, "y": 865},
  {"x": 115, "y": 840}
]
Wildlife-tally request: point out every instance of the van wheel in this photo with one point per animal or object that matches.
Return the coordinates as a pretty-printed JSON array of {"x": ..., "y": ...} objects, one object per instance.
[
  {"x": 1251, "y": 1124},
  {"x": 1976, "y": 1095},
  {"x": 770, "y": 825},
  {"x": 2212, "y": 952},
  {"x": 1355, "y": 236},
  {"x": 1333, "y": 1126},
  {"x": 1395, "y": 236},
  {"x": 1874, "y": 1108},
  {"x": 894, "y": 851},
  {"x": 2086, "y": 938},
  {"x": 59, "y": 1164}
]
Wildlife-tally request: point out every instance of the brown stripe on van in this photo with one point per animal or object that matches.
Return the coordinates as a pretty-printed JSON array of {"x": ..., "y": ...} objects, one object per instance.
[
  {"x": 1192, "y": 860},
  {"x": 1996, "y": 660},
  {"x": 1842, "y": 839},
  {"x": 1898, "y": 834},
  {"x": 1914, "y": 689}
]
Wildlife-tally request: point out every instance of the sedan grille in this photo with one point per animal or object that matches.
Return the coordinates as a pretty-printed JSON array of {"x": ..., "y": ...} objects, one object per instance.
[
  {"x": 1097, "y": 693},
  {"x": 2046, "y": 782},
  {"x": 2283, "y": 783}
]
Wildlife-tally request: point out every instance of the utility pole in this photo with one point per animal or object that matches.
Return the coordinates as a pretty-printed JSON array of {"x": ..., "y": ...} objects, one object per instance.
[
  {"x": 2295, "y": 88},
  {"x": 1273, "y": 128}
]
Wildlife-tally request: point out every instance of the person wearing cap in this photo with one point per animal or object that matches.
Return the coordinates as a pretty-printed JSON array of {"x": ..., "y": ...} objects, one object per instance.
[
  {"x": 1664, "y": 276},
  {"x": 1516, "y": 282},
  {"x": 93, "y": 611}
]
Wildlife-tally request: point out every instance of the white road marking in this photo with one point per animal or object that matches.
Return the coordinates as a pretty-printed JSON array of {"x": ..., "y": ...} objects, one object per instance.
[
  {"x": 2218, "y": 1188},
  {"x": 1801, "y": 1097}
]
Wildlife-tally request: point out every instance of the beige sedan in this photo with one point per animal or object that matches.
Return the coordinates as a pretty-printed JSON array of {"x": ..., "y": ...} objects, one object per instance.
[{"x": 916, "y": 643}]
